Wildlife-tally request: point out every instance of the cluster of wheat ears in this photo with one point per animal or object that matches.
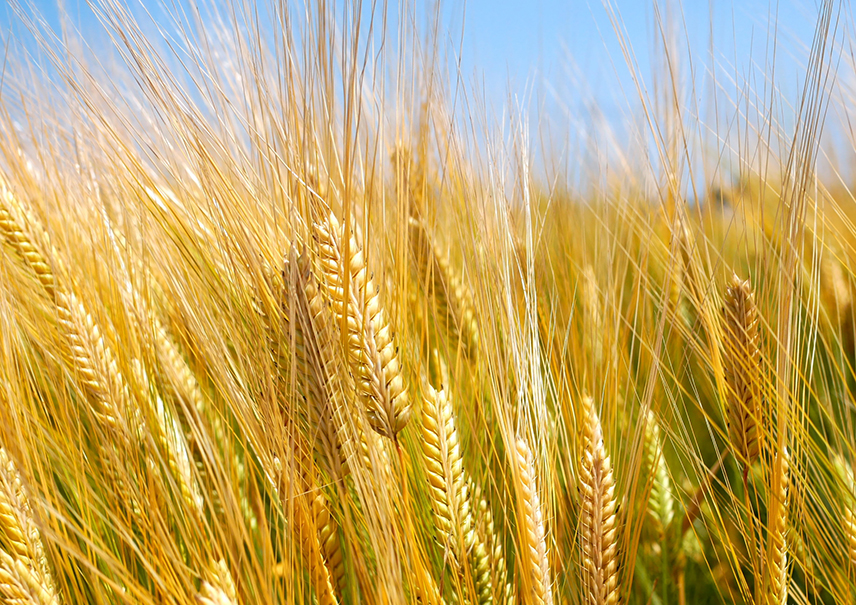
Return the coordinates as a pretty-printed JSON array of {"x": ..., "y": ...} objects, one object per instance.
[{"x": 286, "y": 317}]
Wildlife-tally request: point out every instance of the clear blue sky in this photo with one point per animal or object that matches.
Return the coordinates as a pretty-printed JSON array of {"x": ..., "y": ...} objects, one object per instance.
[{"x": 563, "y": 54}]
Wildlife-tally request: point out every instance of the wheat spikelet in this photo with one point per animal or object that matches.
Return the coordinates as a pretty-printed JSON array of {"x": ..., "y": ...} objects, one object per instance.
[
  {"x": 91, "y": 358},
  {"x": 592, "y": 312},
  {"x": 835, "y": 288},
  {"x": 777, "y": 553},
  {"x": 218, "y": 588},
  {"x": 742, "y": 371},
  {"x": 449, "y": 490},
  {"x": 598, "y": 523},
  {"x": 322, "y": 580},
  {"x": 443, "y": 464},
  {"x": 850, "y": 535},
  {"x": 181, "y": 377},
  {"x": 371, "y": 347},
  {"x": 25, "y": 576},
  {"x": 532, "y": 559},
  {"x": 848, "y": 512}
]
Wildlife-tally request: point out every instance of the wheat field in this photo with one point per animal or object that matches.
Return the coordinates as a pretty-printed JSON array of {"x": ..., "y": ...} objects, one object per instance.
[{"x": 289, "y": 315}]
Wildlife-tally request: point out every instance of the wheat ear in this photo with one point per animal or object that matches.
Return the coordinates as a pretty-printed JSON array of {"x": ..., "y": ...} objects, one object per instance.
[
  {"x": 503, "y": 590},
  {"x": 317, "y": 363},
  {"x": 25, "y": 576},
  {"x": 451, "y": 291},
  {"x": 661, "y": 505},
  {"x": 218, "y": 588},
  {"x": 777, "y": 542},
  {"x": 532, "y": 557},
  {"x": 171, "y": 439},
  {"x": 372, "y": 350},
  {"x": 448, "y": 489},
  {"x": 598, "y": 523},
  {"x": 12, "y": 217},
  {"x": 848, "y": 512},
  {"x": 742, "y": 371},
  {"x": 89, "y": 355}
]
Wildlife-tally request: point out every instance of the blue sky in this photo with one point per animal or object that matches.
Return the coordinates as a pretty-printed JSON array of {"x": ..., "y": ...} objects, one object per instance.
[
  {"x": 516, "y": 41},
  {"x": 564, "y": 55}
]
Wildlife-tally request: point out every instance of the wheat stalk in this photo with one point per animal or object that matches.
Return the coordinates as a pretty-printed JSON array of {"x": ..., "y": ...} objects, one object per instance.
[{"x": 598, "y": 523}]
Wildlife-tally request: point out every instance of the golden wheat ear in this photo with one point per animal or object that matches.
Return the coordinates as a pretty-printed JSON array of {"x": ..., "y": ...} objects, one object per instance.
[
  {"x": 532, "y": 555},
  {"x": 217, "y": 588},
  {"x": 742, "y": 361},
  {"x": 449, "y": 491},
  {"x": 317, "y": 364},
  {"x": 502, "y": 589},
  {"x": 25, "y": 576},
  {"x": 598, "y": 522},
  {"x": 372, "y": 351},
  {"x": 454, "y": 298},
  {"x": 848, "y": 514},
  {"x": 777, "y": 534}
]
